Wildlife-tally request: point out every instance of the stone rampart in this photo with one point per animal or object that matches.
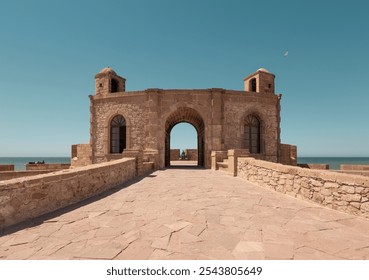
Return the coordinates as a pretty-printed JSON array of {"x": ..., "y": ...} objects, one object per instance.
[
  {"x": 81, "y": 155},
  {"x": 314, "y": 166},
  {"x": 8, "y": 175},
  {"x": 288, "y": 154},
  {"x": 191, "y": 154},
  {"x": 47, "y": 166},
  {"x": 361, "y": 167},
  {"x": 344, "y": 192},
  {"x": 25, "y": 198},
  {"x": 6, "y": 167},
  {"x": 174, "y": 154}
]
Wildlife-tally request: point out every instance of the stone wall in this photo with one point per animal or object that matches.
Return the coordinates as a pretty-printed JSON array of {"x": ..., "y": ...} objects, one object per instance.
[
  {"x": 191, "y": 154},
  {"x": 81, "y": 155},
  {"x": 314, "y": 166},
  {"x": 174, "y": 154},
  {"x": 344, "y": 192},
  {"x": 6, "y": 167},
  {"x": 361, "y": 167},
  {"x": 25, "y": 198},
  {"x": 288, "y": 154},
  {"x": 8, "y": 175},
  {"x": 47, "y": 166}
]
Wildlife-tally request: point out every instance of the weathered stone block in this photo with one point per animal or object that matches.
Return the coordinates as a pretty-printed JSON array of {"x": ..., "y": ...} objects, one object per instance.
[
  {"x": 348, "y": 189},
  {"x": 364, "y": 207},
  {"x": 351, "y": 197}
]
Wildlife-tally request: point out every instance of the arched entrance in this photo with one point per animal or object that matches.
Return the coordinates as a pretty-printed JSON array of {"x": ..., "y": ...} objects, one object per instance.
[{"x": 191, "y": 116}]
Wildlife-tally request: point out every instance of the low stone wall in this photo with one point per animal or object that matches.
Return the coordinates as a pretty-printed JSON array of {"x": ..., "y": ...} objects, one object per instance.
[
  {"x": 81, "y": 155},
  {"x": 344, "y": 192},
  {"x": 8, "y": 175},
  {"x": 47, "y": 166},
  {"x": 314, "y": 166},
  {"x": 353, "y": 172},
  {"x": 191, "y": 154},
  {"x": 6, "y": 167},
  {"x": 361, "y": 167},
  {"x": 288, "y": 154},
  {"x": 25, "y": 198},
  {"x": 174, "y": 154}
]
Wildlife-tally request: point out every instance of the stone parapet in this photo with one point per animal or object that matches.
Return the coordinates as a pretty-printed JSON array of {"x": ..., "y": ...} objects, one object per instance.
[
  {"x": 47, "y": 166},
  {"x": 81, "y": 155},
  {"x": 233, "y": 156},
  {"x": 314, "y": 166},
  {"x": 344, "y": 192},
  {"x": 175, "y": 154},
  {"x": 138, "y": 156},
  {"x": 6, "y": 167},
  {"x": 288, "y": 154},
  {"x": 26, "y": 198},
  {"x": 191, "y": 154},
  {"x": 217, "y": 156},
  {"x": 8, "y": 175},
  {"x": 361, "y": 167}
]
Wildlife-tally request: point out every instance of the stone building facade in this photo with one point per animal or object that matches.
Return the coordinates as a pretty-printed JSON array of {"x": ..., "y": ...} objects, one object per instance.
[{"x": 141, "y": 121}]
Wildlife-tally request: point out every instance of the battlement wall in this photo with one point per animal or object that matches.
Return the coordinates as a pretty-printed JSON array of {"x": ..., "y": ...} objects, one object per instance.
[
  {"x": 344, "y": 192},
  {"x": 26, "y": 198}
]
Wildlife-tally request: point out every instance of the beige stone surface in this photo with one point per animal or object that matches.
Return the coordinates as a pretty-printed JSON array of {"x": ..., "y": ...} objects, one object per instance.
[
  {"x": 218, "y": 115},
  {"x": 193, "y": 213},
  {"x": 344, "y": 192}
]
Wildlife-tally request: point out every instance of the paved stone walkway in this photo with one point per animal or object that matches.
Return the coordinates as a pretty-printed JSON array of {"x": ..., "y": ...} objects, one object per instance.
[{"x": 192, "y": 214}]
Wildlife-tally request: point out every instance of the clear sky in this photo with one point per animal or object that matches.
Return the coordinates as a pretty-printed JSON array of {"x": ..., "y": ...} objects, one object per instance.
[{"x": 51, "y": 50}]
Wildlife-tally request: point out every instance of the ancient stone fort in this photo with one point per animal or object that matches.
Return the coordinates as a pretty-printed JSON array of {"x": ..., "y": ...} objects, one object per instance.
[
  {"x": 238, "y": 132},
  {"x": 140, "y": 122}
]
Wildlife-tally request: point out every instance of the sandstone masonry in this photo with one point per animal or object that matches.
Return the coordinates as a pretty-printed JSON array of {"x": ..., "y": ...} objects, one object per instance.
[
  {"x": 344, "y": 192},
  {"x": 224, "y": 119}
]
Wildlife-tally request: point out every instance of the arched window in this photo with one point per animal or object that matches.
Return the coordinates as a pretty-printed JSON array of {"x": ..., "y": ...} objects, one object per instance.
[
  {"x": 117, "y": 134},
  {"x": 251, "y": 135},
  {"x": 253, "y": 84},
  {"x": 114, "y": 85}
]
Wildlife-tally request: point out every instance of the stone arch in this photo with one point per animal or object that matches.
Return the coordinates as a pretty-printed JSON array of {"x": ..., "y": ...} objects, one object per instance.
[{"x": 191, "y": 116}]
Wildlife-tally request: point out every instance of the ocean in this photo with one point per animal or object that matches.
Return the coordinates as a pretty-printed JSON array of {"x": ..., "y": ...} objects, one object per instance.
[
  {"x": 334, "y": 162},
  {"x": 20, "y": 162}
]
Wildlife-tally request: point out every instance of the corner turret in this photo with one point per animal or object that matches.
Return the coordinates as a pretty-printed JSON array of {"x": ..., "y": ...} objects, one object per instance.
[
  {"x": 107, "y": 81},
  {"x": 261, "y": 81}
]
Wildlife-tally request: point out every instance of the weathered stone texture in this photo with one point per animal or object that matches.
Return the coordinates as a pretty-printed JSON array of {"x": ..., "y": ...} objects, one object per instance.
[
  {"x": 174, "y": 154},
  {"x": 26, "y": 198},
  {"x": 218, "y": 116},
  {"x": 6, "y": 167},
  {"x": 348, "y": 193}
]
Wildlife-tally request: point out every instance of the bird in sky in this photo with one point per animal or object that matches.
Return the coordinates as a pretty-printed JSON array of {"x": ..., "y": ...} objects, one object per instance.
[{"x": 285, "y": 53}]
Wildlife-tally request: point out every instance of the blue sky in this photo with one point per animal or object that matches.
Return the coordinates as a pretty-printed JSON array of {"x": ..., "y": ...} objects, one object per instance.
[{"x": 50, "y": 52}]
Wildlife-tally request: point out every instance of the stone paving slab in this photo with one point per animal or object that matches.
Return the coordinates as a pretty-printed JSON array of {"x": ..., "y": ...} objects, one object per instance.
[{"x": 191, "y": 214}]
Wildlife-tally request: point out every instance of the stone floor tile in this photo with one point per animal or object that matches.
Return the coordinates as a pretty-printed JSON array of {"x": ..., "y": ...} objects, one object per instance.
[
  {"x": 249, "y": 250},
  {"x": 192, "y": 214}
]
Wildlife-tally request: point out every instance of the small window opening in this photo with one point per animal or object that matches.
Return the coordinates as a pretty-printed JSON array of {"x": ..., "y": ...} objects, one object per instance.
[
  {"x": 114, "y": 85},
  {"x": 253, "y": 84}
]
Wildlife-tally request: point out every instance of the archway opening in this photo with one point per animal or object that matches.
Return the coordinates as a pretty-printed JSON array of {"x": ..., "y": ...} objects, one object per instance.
[
  {"x": 183, "y": 145},
  {"x": 192, "y": 117}
]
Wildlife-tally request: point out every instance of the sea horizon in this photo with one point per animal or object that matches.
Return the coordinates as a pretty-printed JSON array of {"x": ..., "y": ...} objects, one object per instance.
[
  {"x": 20, "y": 162},
  {"x": 334, "y": 162}
]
